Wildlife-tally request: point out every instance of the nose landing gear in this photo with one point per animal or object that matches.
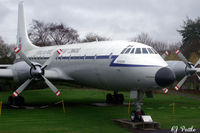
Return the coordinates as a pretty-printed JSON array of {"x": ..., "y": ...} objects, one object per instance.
[
  {"x": 136, "y": 115},
  {"x": 17, "y": 101}
]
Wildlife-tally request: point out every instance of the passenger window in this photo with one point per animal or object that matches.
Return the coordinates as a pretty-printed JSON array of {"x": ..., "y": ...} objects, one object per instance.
[
  {"x": 110, "y": 56},
  {"x": 128, "y": 50},
  {"x": 138, "y": 51},
  {"x": 84, "y": 57},
  {"x": 154, "y": 51},
  {"x": 144, "y": 51},
  {"x": 132, "y": 51},
  {"x": 150, "y": 51},
  {"x": 123, "y": 51}
]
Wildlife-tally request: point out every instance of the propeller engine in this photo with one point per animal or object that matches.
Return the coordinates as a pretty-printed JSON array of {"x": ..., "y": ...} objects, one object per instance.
[
  {"x": 190, "y": 69},
  {"x": 37, "y": 72}
]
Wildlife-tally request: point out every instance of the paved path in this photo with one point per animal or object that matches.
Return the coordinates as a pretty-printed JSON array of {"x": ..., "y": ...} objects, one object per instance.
[
  {"x": 186, "y": 95},
  {"x": 158, "y": 131}
]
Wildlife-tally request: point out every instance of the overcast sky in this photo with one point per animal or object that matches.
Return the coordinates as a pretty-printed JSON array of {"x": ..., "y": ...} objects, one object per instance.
[{"x": 117, "y": 19}]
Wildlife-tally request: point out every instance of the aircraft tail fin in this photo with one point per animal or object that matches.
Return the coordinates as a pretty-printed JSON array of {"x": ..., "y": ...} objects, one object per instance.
[{"x": 23, "y": 41}]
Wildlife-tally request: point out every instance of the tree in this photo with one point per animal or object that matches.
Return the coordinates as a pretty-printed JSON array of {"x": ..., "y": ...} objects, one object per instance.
[
  {"x": 146, "y": 39},
  {"x": 190, "y": 33},
  {"x": 159, "y": 46},
  {"x": 91, "y": 37},
  {"x": 60, "y": 34},
  {"x": 190, "y": 30},
  {"x": 7, "y": 55},
  {"x": 143, "y": 38},
  {"x": 174, "y": 46},
  {"x": 45, "y": 34},
  {"x": 38, "y": 33}
]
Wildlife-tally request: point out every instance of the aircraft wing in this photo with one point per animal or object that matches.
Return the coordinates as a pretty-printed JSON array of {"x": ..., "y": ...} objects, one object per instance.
[
  {"x": 4, "y": 66},
  {"x": 56, "y": 74},
  {"x": 50, "y": 74},
  {"x": 6, "y": 73}
]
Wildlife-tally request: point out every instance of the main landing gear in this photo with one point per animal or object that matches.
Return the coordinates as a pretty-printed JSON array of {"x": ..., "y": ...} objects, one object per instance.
[
  {"x": 115, "y": 98},
  {"x": 17, "y": 101},
  {"x": 136, "y": 115}
]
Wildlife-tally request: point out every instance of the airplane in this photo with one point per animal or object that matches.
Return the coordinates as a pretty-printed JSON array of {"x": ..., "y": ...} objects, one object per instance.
[{"x": 109, "y": 65}]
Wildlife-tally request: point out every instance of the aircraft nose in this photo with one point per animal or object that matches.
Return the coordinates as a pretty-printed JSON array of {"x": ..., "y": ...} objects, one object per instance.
[{"x": 164, "y": 77}]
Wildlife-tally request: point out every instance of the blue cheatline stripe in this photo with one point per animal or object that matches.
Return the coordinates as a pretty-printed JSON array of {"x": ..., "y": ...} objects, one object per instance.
[
  {"x": 131, "y": 65},
  {"x": 65, "y": 57},
  {"x": 112, "y": 64},
  {"x": 78, "y": 57},
  {"x": 89, "y": 57},
  {"x": 103, "y": 57}
]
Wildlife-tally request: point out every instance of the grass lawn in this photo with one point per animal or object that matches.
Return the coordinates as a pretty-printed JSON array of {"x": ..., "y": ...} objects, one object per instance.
[{"x": 80, "y": 117}]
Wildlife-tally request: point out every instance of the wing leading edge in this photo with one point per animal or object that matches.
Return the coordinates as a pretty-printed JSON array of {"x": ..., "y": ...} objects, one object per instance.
[{"x": 50, "y": 74}]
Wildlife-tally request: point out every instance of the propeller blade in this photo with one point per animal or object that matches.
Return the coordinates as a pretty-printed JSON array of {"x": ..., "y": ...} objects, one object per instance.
[
  {"x": 165, "y": 90},
  {"x": 180, "y": 55},
  {"x": 198, "y": 62},
  {"x": 51, "y": 86},
  {"x": 178, "y": 86},
  {"x": 198, "y": 76},
  {"x": 22, "y": 87},
  {"x": 197, "y": 70},
  {"x": 165, "y": 54},
  {"x": 18, "y": 51},
  {"x": 55, "y": 54}
]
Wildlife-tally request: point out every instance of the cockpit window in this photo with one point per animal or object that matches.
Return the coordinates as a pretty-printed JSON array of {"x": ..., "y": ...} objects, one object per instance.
[
  {"x": 144, "y": 51},
  {"x": 123, "y": 51},
  {"x": 132, "y": 51},
  {"x": 128, "y": 50},
  {"x": 138, "y": 51},
  {"x": 154, "y": 51},
  {"x": 150, "y": 51}
]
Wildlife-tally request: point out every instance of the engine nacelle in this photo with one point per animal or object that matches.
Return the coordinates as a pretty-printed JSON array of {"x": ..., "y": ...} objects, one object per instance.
[
  {"x": 21, "y": 71},
  {"x": 178, "y": 67}
]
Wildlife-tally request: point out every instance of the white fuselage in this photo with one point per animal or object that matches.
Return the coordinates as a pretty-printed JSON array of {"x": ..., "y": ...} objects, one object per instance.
[{"x": 101, "y": 64}]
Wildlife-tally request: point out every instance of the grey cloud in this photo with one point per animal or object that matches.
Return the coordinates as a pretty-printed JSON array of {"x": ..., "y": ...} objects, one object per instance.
[{"x": 119, "y": 19}]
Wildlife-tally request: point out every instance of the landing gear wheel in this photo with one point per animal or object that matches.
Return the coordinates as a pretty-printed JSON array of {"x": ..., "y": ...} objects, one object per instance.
[
  {"x": 17, "y": 101},
  {"x": 115, "y": 99},
  {"x": 133, "y": 115},
  {"x": 109, "y": 98},
  {"x": 136, "y": 116},
  {"x": 10, "y": 100},
  {"x": 120, "y": 98},
  {"x": 20, "y": 100}
]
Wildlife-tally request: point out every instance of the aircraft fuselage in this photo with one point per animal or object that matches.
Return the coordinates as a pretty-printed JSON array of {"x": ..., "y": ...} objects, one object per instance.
[{"x": 103, "y": 65}]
